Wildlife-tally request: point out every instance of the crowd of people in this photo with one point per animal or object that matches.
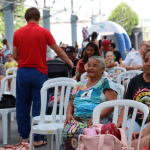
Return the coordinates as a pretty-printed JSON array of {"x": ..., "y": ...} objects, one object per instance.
[{"x": 94, "y": 58}]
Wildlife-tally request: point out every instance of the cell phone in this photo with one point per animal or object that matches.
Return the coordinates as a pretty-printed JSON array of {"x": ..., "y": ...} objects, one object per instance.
[{"x": 81, "y": 65}]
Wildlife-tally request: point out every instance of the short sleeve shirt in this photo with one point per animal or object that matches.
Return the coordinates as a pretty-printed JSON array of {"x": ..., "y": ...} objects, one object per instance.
[
  {"x": 133, "y": 58},
  {"x": 86, "y": 99},
  {"x": 31, "y": 42},
  {"x": 117, "y": 56},
  {"x": 105, "y": 44},
  {"x": 12, "y": 64},
  {"x": 2, "y": 70},
  {"x": 139, "y": 90}
]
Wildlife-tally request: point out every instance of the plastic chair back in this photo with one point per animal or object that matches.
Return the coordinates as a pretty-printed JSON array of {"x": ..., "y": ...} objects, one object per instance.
[
  {"x": 115, "y": 69},
  {"x": 85, "y": 74},
  {"x": 127, "y": 75},
  {"x": 120, "y": 90},
  {"x": 127, "y": 104},
  {"x": 13, "y": 85},
  {"x": 62, "y": 84},
  {"x": 59, "y": 80}
]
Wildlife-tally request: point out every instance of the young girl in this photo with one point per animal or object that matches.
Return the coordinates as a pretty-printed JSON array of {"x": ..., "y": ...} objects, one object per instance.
[
  {"x": 5, "y": 50},
  {"x": 91, "y": 50}
]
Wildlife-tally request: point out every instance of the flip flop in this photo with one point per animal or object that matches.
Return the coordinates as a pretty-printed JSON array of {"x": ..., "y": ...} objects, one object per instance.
[{"x": 41, "y": 144}]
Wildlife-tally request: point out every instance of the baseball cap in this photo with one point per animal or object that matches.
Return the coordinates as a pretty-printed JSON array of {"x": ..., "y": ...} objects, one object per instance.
[
  {"x": 70, "y": 50},
  {"x": 63, "y": 45}
]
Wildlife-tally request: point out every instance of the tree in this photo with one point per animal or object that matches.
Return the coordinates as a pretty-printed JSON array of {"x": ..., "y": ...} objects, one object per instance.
[
  {"x": 18, "y": 15},
  {"x": 125, "y": 16}
]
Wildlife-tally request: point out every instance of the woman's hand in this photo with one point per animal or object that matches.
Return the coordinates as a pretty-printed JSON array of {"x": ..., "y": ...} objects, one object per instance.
[
  {"x": 90, "y": 122},
  {"x": 68, "y": 118},
  {"x": 81, "y": 71},
  {"x": 135, "y": 135}
]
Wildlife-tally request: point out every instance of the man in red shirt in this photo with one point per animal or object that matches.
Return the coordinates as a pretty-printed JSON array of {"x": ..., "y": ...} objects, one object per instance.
[
  {"x": 29, "y": 49},
  {"x": 105, "y": 45}
]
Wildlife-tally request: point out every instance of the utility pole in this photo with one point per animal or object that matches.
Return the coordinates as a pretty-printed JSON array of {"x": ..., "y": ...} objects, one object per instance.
[
  {"x": 46, "y": 17},
  {"x": 74, "y": 19},
  {"x": 8, "y": 18},
  {"x": 93, "y": 19}
]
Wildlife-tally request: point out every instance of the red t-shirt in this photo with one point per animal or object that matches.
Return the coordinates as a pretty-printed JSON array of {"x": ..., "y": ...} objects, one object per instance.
[
  {"x": 31, "y": 42},
  {"x": 105, "y": 44}
]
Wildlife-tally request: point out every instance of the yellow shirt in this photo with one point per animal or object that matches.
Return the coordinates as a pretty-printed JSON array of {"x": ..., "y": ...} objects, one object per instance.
[{"x": 12, "y": 64}]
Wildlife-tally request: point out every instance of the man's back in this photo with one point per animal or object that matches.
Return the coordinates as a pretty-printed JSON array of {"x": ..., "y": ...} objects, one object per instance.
[
  {"x": 31, "y": 42},
  {"x": 105, "y": 44}
]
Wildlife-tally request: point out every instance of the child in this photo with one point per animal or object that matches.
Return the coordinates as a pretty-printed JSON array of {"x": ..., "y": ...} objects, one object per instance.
[{"x": 10, "y": 64}]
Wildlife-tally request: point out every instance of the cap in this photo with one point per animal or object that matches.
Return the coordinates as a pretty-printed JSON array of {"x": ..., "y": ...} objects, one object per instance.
[
  {"x": 70, "y": 50},
  {"x": 63, "y": 45}
]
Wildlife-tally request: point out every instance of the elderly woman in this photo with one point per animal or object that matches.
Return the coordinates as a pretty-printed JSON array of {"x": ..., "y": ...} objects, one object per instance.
[{"x": 86, "y": 95}]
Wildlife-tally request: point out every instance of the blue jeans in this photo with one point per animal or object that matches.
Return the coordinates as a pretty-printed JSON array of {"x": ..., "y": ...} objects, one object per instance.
[
  {"x": 104, "y": 53},
  {"x": 29, "y": 82},
  {"x": 135, "y": 128}
]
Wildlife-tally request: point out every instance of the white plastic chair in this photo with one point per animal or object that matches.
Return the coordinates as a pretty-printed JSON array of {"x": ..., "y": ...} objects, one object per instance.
[
  {"x": 54, "y": 127},
  {"x": 6, "y": 83},
  {"x": 126, "y": 103},
  {"x": 48, "y": 118},
  {"x": 6, "y": 112},
  {"x": 127, "y": 75},
  {"x": 120, "y": 90},
  {"x": 85, "y": 74},
  {"x": 118, "y": 69}
]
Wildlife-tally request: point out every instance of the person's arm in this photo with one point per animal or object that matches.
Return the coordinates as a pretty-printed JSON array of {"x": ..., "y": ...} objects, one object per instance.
[
  {"x": 62, "y": 55},
  {"x": 70, "y": 111},
  {"x": 127, "y": 67},
  {"x": 120, "y": 60},
  {"x": 15, "y": 53},
  {"x": 110, "y": 95},
  {"x": 113, "y": 64},
  {"x": 3, "y": 49}
]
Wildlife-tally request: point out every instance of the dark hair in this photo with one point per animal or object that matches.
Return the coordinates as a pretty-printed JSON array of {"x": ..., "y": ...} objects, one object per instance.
[
  {"x": 94, "y": 36},
  {"x": 146, "y": 53},
  {"x": 9, "y": 54},
  {"x": 105, "y": 37},
  {"x": 82, "y": 52},
  {"x": 92, "y": 44},
  {"x": 5, "y": 42},
  {"x": 113, "y": 45},
  {"x": 32, "y": 13}
]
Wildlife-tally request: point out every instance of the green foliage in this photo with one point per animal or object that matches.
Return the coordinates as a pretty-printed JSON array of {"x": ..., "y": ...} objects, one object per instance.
[{"x": 125, "y": 16}]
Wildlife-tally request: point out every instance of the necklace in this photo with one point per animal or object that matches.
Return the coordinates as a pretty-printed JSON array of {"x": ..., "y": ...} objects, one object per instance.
[{"x": 93, "y": 83}]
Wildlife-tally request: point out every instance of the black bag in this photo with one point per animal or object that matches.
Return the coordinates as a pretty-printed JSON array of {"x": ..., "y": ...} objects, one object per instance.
[{"x": 7, "y": 101}]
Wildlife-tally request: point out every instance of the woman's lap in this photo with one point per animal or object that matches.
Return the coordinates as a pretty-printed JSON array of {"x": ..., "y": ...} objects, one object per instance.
[
  {"x": 135, "y": 128},
  {"x": 69, "y": 139}
]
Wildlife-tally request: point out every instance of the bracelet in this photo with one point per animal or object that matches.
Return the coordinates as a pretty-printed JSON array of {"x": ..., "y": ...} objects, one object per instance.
[{"x": 119, "y": 119}]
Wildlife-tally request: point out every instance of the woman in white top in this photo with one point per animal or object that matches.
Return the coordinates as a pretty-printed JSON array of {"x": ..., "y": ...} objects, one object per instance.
[
  {"x": 94, "y": 39},
  {"x": 5, "y": 50},
  {"x": 85, "y": 43}
]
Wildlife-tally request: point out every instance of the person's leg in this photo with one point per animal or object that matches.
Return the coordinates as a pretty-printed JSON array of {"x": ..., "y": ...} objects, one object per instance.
[
  {"x": 37, "y": 82},
  {"x": 9, "y": 84},
  {"x": 135, "y": 128},
  {"x": 1, "y": 77},
  {"x": 23, "y": 102}
]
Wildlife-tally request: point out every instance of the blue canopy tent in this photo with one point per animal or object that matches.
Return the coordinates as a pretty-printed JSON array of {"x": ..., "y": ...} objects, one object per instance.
[{"x": 112, "y": 28}]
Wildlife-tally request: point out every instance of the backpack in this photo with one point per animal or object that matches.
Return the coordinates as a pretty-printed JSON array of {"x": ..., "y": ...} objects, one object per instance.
[
  {"x": 7, "y": 101},
  {"x": 103, "y": 141}
]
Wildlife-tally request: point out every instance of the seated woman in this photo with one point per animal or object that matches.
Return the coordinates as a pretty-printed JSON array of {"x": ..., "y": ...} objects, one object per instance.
[
  {"x": 86, "y": 95},
  {"x": 91, "y": 50},
  {"x": 138, "y": 90}
]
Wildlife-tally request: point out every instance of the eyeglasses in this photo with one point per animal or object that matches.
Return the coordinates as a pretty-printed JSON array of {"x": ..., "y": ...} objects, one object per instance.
[
  {"x": 109, "y": 46},
  {"x": 146, "y": 46}
]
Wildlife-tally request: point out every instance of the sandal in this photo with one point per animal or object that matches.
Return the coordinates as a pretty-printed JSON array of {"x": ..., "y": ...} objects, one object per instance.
[
  {"x": 44, "y": 143},
  {"x": 19, "y": 146}
]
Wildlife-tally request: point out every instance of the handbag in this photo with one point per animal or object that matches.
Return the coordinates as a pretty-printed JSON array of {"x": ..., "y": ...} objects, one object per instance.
[
  {"x": 103, "y": 141},
  {"x": 7, "y": 101}
]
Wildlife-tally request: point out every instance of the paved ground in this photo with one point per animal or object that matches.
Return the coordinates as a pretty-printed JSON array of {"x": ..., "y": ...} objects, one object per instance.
[{"x": 15, "y": 138}]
